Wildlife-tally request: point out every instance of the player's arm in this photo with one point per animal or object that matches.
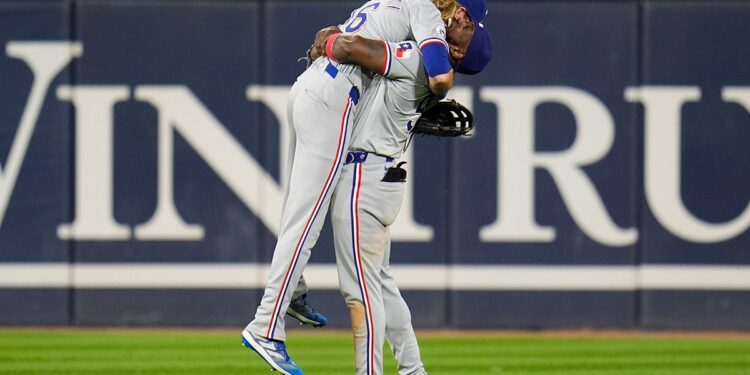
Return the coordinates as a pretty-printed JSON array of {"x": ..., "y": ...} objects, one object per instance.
[
  {"x": 375, "y": 56},
  {"x": 438, "y": 65},
  {"x": 354, "y": 49},
  {"x": 441, "y": 83},
  {"x": 428, "y": 29}
]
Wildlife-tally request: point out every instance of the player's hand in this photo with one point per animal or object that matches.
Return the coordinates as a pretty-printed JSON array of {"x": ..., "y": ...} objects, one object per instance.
[
  {"x": 319, "y": 44},
  {"x": 313, "y": 53}
]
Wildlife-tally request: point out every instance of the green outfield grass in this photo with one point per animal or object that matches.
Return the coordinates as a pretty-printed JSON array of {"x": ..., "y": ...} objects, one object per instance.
[{"x": 55, "y": 351}]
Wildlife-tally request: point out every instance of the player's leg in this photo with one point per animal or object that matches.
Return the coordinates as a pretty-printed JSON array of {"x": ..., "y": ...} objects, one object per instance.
[
  {"x": 360, "y": 222},
  {"x": 398, "y": 327},
  {"x": 356, "y": 261},
  {"x": 298, "y": 307},
  {"x": 274, "y": 352},
  {"x": 321, "y": 114},
  {"x": 314, "y": 172}
]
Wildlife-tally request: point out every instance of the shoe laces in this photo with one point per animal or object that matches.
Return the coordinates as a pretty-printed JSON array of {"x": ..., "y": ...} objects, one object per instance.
[
  {"x": 281, "y": 348},
  {"x": 301, "y": 301}
]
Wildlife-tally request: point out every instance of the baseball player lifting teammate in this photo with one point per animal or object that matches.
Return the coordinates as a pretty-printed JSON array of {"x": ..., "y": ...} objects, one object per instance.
[
  {"x": 370, "y": 191},
  {"x": 320, "y": 108}
]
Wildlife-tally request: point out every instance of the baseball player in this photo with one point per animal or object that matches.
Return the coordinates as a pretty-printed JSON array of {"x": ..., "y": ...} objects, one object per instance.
[
  {"x": 320, "y": 107},
  {"x": 370, "y": 191}
]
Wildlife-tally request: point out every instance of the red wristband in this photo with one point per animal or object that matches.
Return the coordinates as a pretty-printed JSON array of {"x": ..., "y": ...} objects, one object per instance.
[{"x": 329, "y": 45}]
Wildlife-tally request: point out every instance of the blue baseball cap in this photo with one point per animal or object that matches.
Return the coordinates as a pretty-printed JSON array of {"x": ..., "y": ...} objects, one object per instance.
[
  {"x": 477, "y": 9},
  {"x": 479, "y": 53}
]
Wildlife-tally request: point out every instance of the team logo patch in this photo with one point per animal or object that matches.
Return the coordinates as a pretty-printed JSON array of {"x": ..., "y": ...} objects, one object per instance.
[
  {"x": 440, "y": 30},
  {"x": 404, "y": 50}
]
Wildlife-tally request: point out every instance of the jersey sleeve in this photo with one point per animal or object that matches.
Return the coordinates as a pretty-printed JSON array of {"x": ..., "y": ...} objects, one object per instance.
[
  {"x": 403, "y": 60},
  {"x": 426, "y": 23},
  {"x": 428, "y": 30}
]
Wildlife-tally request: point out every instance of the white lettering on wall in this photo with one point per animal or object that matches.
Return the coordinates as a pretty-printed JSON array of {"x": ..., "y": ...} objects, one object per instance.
[
  {"x": 94, "y": 217},
  {"x": 180, "y": 110},
  {"x": 517, "y": 161},
  {"x": 662, "y": 106},
  {"x": 46, "y": 60}
]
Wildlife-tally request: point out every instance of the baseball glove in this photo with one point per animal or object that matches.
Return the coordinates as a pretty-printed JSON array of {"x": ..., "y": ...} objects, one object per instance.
[{"x": 447, "y": 118}]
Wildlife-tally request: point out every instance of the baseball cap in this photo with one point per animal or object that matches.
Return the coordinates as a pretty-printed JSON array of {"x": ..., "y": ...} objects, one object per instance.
[
  {"x": 477, "y": 9},
  {"x": 479, "y": 53}
]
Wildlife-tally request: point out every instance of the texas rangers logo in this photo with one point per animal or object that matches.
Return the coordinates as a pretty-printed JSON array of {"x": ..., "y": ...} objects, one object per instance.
[{"x": 403, "y": 51}]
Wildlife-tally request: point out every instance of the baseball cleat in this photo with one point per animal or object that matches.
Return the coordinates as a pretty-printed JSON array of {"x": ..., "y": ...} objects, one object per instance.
[
  {"x": 273, "y": 352},
  {"x": 299, "y": 309}
]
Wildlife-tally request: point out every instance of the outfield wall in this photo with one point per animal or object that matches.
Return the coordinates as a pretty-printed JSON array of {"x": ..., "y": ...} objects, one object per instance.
[{"x": 607, "y": 183}]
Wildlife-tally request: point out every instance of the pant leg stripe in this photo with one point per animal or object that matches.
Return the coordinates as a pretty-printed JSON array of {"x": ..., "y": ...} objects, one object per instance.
[
  {"x": 357, "y": 253},
  {"x": 316, "y": 209}
]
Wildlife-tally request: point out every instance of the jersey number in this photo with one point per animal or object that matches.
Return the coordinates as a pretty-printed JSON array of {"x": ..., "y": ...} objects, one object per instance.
[{"x": 359, "y": 18}]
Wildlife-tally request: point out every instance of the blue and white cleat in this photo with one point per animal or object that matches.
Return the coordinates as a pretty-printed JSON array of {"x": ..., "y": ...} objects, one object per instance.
[
  {"x": 299, "y": 309},
  {"x": 273, "y": 352}
]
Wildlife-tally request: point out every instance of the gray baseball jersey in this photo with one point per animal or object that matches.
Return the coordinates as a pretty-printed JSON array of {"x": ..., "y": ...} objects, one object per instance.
[
  {"x": 365, "y": 204},
  {"x": 389, "y": 108},
  {"x": 393, "y": 21},
  {"x": 397, "y": 20}
]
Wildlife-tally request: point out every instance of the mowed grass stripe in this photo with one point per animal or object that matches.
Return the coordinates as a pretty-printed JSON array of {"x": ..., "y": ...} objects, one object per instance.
[
  {"x": 211, "y": 352},
  {"x": 600, "y": 355}
]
